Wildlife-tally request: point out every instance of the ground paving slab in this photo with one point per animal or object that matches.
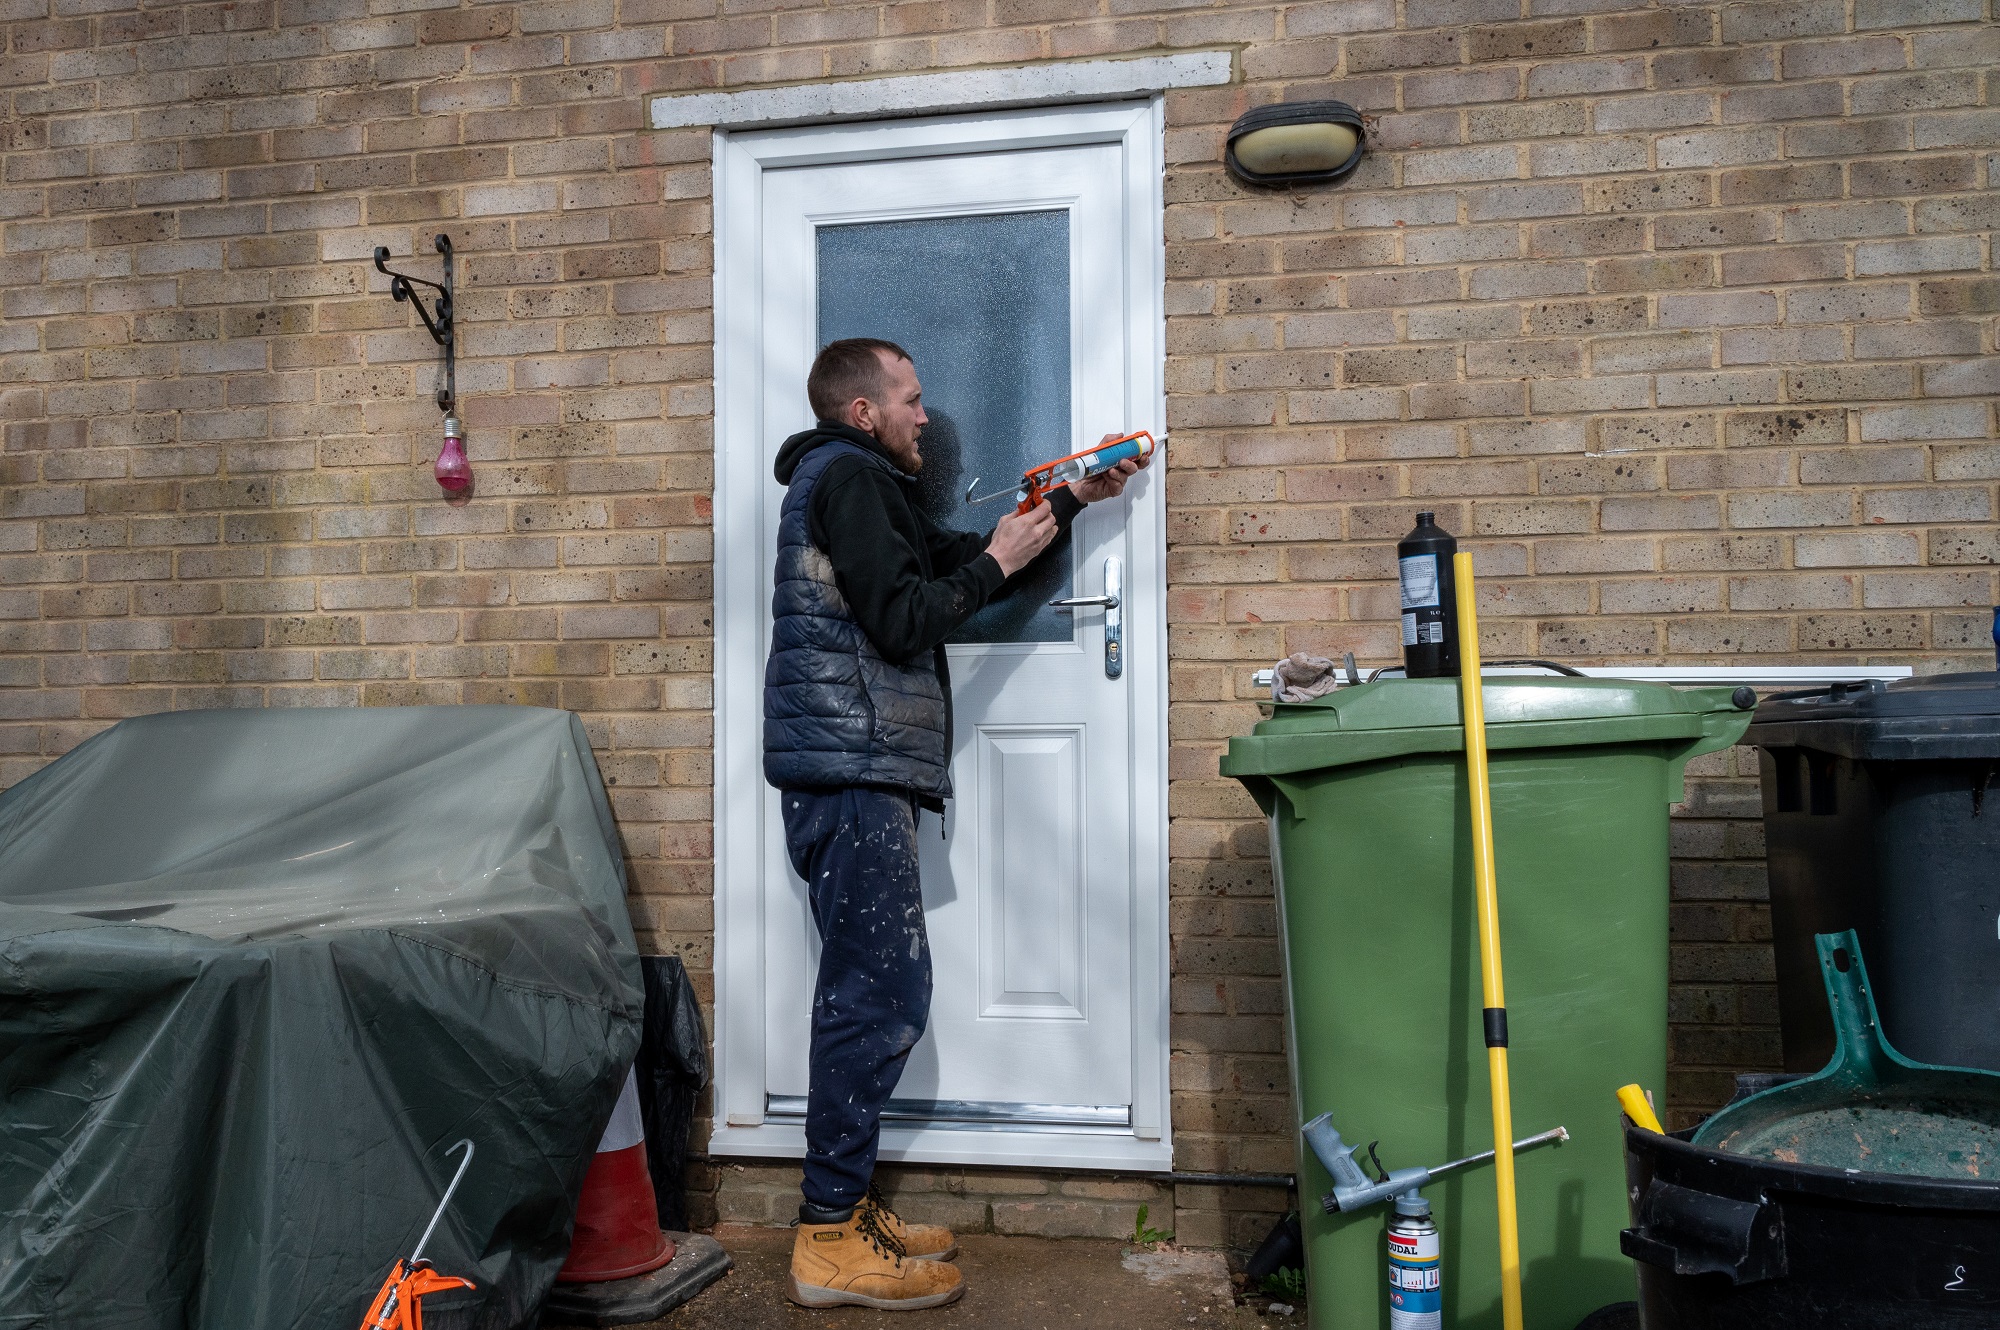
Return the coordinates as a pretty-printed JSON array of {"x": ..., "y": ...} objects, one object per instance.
[{"x": 1012, "y": 1283}]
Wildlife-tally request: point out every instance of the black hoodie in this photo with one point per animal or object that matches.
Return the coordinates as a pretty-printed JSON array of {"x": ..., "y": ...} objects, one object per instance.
[{"x": 909, "y": 582}]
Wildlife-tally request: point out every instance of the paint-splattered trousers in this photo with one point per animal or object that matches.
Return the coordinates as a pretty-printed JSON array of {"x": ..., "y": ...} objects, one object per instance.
[{"x": 856, "y": 848}]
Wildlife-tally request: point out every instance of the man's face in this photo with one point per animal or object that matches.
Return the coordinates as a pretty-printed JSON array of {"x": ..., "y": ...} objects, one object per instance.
[{"x": 899, "y": 417}]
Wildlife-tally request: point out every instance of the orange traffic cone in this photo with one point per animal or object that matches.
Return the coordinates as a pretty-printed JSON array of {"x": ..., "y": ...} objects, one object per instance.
[{"x": 617, "y": 1222}]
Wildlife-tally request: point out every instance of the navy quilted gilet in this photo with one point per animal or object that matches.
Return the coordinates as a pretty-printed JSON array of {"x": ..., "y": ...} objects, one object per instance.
[{"x": 835, "y": 712}]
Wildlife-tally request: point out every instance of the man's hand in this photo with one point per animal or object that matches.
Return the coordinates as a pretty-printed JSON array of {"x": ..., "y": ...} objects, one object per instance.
[
  {"x": 1110, "y": 484},
  {"x": 1021, "y": 536}
]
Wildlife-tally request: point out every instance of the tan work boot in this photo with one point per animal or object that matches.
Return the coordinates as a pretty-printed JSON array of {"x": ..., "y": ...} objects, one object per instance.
[
  {"x": 859, "y": 1263},
  {"x": 920, "y": 1242}
]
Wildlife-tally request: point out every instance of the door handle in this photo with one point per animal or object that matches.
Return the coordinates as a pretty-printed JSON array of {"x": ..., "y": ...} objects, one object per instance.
[{"x": 1114, "y": 617}]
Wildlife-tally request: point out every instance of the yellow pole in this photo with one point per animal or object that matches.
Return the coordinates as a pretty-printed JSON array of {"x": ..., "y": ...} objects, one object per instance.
[{"x": 1474, "y": 707}]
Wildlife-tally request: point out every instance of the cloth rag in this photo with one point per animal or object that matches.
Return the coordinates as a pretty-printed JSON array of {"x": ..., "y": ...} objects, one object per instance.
[{"x": 1301, "y": 678}]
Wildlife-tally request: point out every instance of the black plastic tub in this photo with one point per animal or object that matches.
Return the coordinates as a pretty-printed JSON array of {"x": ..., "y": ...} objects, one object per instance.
[{"x": 1727, "y": 1242}]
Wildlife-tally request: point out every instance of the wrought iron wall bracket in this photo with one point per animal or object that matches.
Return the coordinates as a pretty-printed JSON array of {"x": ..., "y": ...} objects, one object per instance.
[{"x": 438, "y": 325}]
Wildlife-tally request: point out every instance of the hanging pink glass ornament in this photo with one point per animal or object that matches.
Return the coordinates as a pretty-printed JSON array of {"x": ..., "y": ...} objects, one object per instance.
[{"x": 454, "y": 472}]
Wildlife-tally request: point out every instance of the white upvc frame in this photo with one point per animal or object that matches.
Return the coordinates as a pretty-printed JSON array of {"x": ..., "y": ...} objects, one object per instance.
[{"x": 741, "y": 160}]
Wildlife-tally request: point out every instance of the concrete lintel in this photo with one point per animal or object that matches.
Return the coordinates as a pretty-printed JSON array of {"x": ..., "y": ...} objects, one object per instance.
[{"x": 937, "y": 94}]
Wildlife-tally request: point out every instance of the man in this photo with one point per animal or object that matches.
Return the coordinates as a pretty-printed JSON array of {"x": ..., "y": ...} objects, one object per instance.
[{"x": 857, "y": 737}]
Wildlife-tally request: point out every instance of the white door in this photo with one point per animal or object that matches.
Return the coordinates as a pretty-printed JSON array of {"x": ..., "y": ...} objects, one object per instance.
[{"x": 1006, "y": 269}]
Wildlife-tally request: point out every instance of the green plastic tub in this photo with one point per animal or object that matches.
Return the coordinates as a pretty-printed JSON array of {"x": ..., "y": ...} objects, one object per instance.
[{"x": 1371, "y": 844}]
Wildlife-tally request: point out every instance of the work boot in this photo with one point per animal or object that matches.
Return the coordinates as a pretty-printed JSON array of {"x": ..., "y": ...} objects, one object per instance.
[
  {"x": 857, "y": 1262},
  {"x": 920, "y": 1242}
]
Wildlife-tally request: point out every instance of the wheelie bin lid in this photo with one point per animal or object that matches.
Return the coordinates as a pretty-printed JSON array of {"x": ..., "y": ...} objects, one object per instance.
[
  {"x": 1397, "y": 717},
  {"x": 1939, "y": 716}
]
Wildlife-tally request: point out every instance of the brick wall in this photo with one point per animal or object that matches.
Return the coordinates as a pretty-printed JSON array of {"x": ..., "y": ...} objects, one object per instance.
[{"x": 1681, "y": 314}]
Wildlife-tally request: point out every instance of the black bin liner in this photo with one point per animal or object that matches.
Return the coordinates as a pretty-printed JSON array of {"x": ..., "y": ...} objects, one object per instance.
[
  {"x": 1882, "y": 815},
  {"x": 673, "y": 1071},
  {"x": 259, "y": 970}
]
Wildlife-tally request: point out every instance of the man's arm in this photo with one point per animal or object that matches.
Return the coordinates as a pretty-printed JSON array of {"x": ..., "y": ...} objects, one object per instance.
[
  {"x": 950, "y": 549},
  {"x": 862, "y": 522}
]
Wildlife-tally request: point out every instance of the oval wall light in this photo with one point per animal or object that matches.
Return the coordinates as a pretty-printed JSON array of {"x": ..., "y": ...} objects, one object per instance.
[{"x": 1294, "y": 143}]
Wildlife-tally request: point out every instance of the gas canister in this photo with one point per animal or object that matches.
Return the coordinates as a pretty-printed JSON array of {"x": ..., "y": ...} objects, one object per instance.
[{"x": 1416, "y": 1286}]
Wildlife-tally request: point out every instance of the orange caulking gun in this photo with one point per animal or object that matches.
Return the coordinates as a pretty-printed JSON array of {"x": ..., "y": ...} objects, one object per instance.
[
  {"x": 1092, "y": 461},
  {"x": 399, "y": 1306}
]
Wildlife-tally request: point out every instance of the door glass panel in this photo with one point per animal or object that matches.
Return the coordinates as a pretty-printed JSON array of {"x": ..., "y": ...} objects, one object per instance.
[{"x": 982, "y": 305}]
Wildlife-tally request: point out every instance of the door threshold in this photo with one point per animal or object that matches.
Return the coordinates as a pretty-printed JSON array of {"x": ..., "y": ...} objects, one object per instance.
[
  {"x": 975, "y": 1113},
  {"x": 979, "y": 1144}
]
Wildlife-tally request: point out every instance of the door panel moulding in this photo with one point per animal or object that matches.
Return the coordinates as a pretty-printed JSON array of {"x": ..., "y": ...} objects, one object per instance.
[{"x": 940, "y": 94}]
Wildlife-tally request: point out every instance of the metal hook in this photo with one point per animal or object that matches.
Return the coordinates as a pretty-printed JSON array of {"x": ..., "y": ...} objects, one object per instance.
[
  {"x": 971, "y": 502},
  {"x": 457, "y": 1178},
  {"x": 402, "y": 287}
]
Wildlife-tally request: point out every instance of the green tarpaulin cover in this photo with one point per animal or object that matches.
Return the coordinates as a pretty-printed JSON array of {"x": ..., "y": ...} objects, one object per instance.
[{"x": 259, "y": 970}]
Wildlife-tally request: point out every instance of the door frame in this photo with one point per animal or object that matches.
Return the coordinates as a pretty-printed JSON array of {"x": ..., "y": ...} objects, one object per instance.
[{"x": 743, "y": 804}]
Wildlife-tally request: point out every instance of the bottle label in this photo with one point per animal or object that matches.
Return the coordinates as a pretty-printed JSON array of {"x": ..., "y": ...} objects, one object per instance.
[
  {"x": 1420, "y": 581},
  {"x": 1409, "y": 630},
  {"x": 1416, "y": 1284}
]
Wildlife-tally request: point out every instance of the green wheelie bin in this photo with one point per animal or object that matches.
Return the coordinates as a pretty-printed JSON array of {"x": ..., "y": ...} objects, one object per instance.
[{"x": 1371, "y": 846}]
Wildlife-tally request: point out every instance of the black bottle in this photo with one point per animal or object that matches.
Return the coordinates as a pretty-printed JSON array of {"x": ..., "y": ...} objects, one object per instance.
[{"x": 1430, "y": 602}]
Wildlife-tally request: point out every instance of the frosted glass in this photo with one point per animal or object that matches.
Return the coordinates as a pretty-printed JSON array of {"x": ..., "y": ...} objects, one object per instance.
[{"x": 982, "y": 305}]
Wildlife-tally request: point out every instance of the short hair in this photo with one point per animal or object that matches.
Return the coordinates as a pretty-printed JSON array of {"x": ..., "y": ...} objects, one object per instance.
[{"x": 845, "y": 370}]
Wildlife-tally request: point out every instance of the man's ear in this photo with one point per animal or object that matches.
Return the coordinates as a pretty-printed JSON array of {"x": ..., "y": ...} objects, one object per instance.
[{"x": 860, "y": 414}]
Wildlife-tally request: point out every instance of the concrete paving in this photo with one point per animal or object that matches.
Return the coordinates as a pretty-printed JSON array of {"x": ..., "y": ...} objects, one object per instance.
[{"x": 1012, "y": 1283}]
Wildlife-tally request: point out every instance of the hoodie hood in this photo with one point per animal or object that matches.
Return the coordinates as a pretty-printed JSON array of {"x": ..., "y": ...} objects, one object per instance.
[{"x": 793, "y": 450}]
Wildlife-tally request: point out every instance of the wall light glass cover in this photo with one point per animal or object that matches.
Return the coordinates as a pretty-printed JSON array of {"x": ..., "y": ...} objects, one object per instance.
[{"x": 1295, "y": 143}]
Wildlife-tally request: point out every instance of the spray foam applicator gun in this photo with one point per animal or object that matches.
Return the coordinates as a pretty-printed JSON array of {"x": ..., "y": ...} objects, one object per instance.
[
  {"x": 1093, "y": 461},
  {"x": 1416, "y": 1276},
  {"x": 1354, "y": 1190}
]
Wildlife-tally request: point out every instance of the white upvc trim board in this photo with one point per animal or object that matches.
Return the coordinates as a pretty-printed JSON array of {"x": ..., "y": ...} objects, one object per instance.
[
  {"x": 1051, "y": 84},
  {"x": 741, "y": 159},
  {"x": 1756, "y": 676}
]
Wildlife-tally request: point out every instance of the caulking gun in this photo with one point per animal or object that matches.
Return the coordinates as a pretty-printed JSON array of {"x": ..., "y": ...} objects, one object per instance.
[
  {"x": 1093, "y": 461},
  {"x": 399, "y": 1304}
]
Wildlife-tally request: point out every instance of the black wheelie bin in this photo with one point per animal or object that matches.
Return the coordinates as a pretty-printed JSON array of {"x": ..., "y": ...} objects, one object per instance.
[{"x": 1882, "y": 814}]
